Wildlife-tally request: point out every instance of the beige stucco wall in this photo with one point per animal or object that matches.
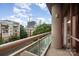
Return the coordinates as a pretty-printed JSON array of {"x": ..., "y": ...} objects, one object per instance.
[
  {"x": 5, "y": 36},
  {"x": 56, "y": 26}
]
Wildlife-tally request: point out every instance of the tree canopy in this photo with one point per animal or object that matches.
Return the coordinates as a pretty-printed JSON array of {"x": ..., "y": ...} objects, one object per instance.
[
  {"x": 23, "y": 33},
  {"x": 42, "y": 29}
]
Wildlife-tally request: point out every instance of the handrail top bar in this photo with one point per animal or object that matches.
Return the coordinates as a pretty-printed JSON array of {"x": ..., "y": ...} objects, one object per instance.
[
  {"x": 16, "y": 52},
  {"x": 22, "y": 49},
  {"x": 24, "y": 39},
  {"x": 74, "y": 38}
]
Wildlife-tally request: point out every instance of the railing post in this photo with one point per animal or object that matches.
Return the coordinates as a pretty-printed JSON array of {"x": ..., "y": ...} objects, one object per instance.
[{"x": 39, "y": 48}]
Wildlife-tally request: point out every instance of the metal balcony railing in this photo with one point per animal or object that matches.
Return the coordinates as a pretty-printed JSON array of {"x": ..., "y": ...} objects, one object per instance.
[
  {"x": 38, "y": 47},
  {"x": 75, "y": 38},
  {"x": 73, "y": 50},
  {"x": 10, "y": 48}
]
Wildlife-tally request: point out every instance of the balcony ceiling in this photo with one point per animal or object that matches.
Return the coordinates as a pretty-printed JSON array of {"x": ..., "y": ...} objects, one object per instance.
[{"x": 64, "y": 7}]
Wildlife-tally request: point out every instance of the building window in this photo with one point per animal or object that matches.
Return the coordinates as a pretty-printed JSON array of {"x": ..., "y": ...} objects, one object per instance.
[
  {"x": 5, "y": 29},
  {"x": 15, "y": 30}
]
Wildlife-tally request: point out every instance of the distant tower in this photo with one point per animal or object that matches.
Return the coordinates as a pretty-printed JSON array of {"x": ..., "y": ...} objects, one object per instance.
[
  {"x": 40, "y": 21},
  {"x": 30, "y": 18},
  {"x": 30, "y": 28}
]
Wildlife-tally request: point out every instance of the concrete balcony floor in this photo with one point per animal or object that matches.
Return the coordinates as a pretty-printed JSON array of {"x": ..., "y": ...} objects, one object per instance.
[
  {"x": 26, "y": 53},
  {"x": 57, "y": 52}
]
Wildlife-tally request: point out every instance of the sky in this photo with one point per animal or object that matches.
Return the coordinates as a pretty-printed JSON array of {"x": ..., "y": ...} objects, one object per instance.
[{"x": 20, "y": 12}]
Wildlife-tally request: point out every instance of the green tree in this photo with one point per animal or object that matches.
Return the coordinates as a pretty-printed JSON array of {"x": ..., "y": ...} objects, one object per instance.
[
  {"x": 1, "y": 40},
  {"x": 42, "y": 29},
  {"x": 14, "y": 38},
  {"x": 23, "y": 33}
]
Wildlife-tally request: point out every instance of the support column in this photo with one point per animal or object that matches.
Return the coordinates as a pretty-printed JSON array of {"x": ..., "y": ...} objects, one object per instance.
[
  {"x": 71, "y": 25},
  {"x": 65, "y": 41},
  {"x": 56, "y": 26}
]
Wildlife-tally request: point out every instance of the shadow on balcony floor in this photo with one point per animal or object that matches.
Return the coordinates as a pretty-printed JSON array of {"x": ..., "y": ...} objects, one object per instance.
[{"x": 57, "y": 52}]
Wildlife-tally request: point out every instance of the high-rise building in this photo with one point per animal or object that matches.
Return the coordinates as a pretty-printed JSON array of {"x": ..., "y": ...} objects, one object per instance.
[{"x": 31, "y": 25}]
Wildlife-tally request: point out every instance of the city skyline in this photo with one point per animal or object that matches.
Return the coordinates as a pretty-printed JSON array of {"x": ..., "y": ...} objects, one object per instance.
[{"x": 20, "y": 12}]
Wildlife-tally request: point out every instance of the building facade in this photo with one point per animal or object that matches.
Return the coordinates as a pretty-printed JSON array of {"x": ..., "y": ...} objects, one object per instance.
[{"x": 9, "y": 28}]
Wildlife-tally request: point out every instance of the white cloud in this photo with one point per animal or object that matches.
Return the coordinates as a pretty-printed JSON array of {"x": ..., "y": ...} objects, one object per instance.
[
  {"x": 13, "y": 18},
  {"x": 23, "y": 5},
  {"x": 20, "y": 13},
  {"x": 17, "y": 10},
  {"x": 5, "y": 18},
  {"x": 19, "y": 20},
  {"x": 42, "y": 6},
  {"x": 27, "y": 6},
  {"x": 43, "y": 20}
]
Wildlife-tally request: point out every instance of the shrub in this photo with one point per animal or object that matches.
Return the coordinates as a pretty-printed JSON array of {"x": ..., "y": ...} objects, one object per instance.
[
  {"x": 14, "y": 38},
  {"x": 1, "y": 40}
]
